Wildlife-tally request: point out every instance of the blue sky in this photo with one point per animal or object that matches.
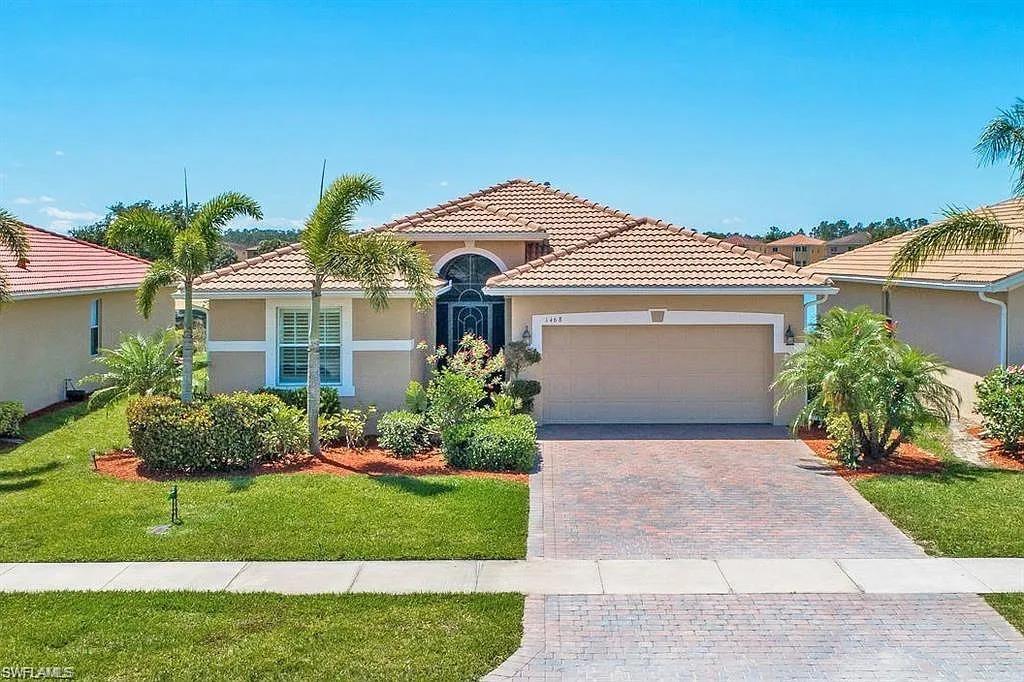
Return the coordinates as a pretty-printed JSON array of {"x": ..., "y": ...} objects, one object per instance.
[{"x": 714, "y": 115}]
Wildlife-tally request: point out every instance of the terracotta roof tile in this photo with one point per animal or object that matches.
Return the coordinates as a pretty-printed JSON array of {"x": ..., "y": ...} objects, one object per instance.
[
  {"x": 470, "y": 216},
  {"x": 58, "y": 263},
  {"x": 873, "y": 260},
  {"x": 797, "y": 240},
  {"x": 648, "y": 252}
]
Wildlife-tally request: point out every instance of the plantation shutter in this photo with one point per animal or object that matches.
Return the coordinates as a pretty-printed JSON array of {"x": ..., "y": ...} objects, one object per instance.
[{"x": 292, "y": 350}]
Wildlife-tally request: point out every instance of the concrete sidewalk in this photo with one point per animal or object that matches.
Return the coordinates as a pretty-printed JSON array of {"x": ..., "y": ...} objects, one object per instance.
[{"x": 535, "y": 577}]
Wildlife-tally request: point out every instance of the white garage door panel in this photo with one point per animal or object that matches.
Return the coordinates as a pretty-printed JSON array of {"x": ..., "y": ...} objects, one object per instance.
[{"x": 674, "y": 374}]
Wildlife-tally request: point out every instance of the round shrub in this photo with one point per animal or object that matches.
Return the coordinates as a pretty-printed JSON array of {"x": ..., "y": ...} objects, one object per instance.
[
  {"x": 1001, "y": 404},
  {"x": 401, "y": 432},
  {"x": 496, "y": 444},
  {"x": 11, "y": 414},
  {"x": 525, "y": 390},
  {"x": 170, "y": 435}
]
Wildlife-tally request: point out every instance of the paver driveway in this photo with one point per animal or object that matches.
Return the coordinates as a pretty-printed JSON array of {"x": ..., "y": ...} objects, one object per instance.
[
  {"x": 730, "y": 492},
  {"x": 678, "y": 492}
]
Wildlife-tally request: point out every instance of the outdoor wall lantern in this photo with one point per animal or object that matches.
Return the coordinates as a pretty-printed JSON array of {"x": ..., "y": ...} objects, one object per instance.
[
  {"x": 789, "y": 336},
  {"x": 527, "y": 337}
]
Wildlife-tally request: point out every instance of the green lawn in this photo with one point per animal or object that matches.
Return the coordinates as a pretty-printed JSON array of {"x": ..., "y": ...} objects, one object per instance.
[
  {"x": 174, "y": 635},
  {"x": 55, "y": 508},
  {"x": 1011, "y": 606}
]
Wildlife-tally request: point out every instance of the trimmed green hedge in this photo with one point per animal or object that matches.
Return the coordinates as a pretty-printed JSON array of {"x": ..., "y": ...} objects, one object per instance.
[
  {"x": 225, "y": 433},
  {"x": 492, "y": 444},
  {"x": 11, "y": 414},
  {"x": 401, "y": 432},
  {"x": 330, "y": 403}
]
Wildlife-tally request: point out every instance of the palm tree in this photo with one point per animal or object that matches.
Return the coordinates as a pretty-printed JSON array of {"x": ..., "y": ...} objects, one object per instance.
[
  {"x": 370, "y": 259},
  {"x": 963, "y": 229},
  {"x": 13, "y": 238},
  {"x": 184, "y": 249},
  {"x": 141, "y": 365}
]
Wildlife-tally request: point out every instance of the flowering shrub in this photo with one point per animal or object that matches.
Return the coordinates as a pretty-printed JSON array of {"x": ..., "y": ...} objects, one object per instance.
[
  {"x": 460, "y": 382},
  {"x": 1001, "y": 404}
]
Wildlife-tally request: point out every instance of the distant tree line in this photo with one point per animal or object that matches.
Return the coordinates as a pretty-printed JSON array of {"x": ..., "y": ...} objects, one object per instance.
[{"x": 828, "y": 230}]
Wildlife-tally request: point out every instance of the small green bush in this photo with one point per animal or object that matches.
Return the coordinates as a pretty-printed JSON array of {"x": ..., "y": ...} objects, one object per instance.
[
  {"x": 416, "y": 398},
  {"x": 11, "y": 414},
  {"x": 844, "y": 441},
  {"x": 401, "y": 432},
  {"x": 1001, "y": 404},
  {"x": 330, "y": 402},
  {"x": 453, "y": 397},
  {"x": 348, "y": 426},
  {"x": 525, "y": 390},
  {"x": 496, "y": 444},
  {"x": 225, "y": 433}
]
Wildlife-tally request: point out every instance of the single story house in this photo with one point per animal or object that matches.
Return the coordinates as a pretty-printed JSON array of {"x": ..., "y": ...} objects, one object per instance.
[
  {"x": 966, "y": 307},
  {"x": 637, "y": 320},
  {"x": 800, "y": 249},
  {"x": 68, "y": 300},
  {"x": 852, "y": 241}
]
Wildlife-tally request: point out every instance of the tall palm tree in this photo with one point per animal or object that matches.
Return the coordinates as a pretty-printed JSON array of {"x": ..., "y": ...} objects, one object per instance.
[
  {"x": 370, "y": 259},
  {"x": 963, "y": 229},
  {"x": 184, "y": 249},
  {"x": 14, "y": 239}
]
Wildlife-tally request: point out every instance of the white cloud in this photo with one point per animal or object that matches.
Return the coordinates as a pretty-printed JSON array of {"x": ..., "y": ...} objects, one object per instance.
[
  {"x": 63, "y": 214},
  {"x": 61, "y": 225},
  {"x": 735, "y": 220},
  {"x": 41, "y": 199},
  {"x": 444, "y": 183},
  {"x": 58, "y": 153}
]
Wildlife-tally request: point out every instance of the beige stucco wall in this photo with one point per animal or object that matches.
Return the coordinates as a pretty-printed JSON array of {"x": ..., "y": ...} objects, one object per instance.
[
  {"x": 236, "y": 370},
  {"x": 955, "y": 325},
  {"x": 238, "y": 320},
  {"x": 511, "y": 253},
  {"x": 521, "y": 310},
  {"x": 45, "y": 340},
  {"x": 394, "y": 322},
  {"x": 1015, "y": 327}
]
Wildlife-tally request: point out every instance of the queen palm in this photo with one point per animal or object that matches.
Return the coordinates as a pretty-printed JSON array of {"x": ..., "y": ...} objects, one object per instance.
[
  {"x": 184, "y": 249},
  {"x": 12, "y": 238},
  {"x": 963, "y": 229},
  {"x": 369, "y": 259}
]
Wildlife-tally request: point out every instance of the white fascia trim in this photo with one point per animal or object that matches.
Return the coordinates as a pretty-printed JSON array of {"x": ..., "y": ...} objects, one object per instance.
[
  {"x": 639, "y": 291},
  {"x": 345, "y": 293},
  {"x": 918, "y": 283},
  {"x": 777, "y": 321},
  {"x": 471, "y": 250},
  {"x": 236, "y": 346},
  {"x": 81, "y": 291},
  {"x": 346, "y": 388},
  {"x": 528, "y": 235},
  {"x": 405, "y": 345}
]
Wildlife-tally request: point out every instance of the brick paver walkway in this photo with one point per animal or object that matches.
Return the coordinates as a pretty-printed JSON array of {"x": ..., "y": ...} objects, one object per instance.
[
  {"x": 731, "y": 492},
  {"x": 697, "y": 492}
]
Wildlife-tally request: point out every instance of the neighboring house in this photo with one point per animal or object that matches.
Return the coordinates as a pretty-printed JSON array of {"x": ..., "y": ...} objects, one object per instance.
[
  {"x": 746, "y": 242},
  {"x": 70, "y": 299},
  {"x": 848, "y": 243},
  {"x": 637, "y": 320},
  {"x": 800, "y": 249},
  {"x": 965, "y": 307}
]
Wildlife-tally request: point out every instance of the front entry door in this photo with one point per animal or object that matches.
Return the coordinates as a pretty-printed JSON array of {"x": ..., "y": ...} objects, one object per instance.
[
  {"x": 464, "y": 308},
  {"x": 469, "y": 318}
]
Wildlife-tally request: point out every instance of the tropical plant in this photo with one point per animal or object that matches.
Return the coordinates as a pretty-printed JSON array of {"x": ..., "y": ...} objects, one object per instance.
[
  {"x": 1001, "y": 404},
  {"x": 370, "y": 259},
  {"x": 13, "y": 239},
  {"x": 415, "y": 398},
  {"x": 963, "y": 229},
  {"x": 183, "y": 249},
  {"x": 141, "y": 365},
  {"x": 401, "y": 432},
  {"x": 853, "y": 367}
]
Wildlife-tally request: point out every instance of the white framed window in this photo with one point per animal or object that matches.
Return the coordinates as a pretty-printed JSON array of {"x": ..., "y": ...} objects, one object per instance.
[
  {"x": 95, "y": 309},
  {"x": 293, "y": 348}
]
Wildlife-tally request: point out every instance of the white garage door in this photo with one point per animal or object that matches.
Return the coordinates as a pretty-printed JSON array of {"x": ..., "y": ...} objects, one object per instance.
[{"x": 657, "y": 374}]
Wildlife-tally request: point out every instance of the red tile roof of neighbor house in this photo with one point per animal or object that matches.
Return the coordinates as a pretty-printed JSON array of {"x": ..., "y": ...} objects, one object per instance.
[
  {"x": 740, "y": 240},
  {"x": 648, "y": 252},
  {"x": 965, "y": 267},
  {"x": 797, "y": 240},
  {"x": 61, "y": 265}
]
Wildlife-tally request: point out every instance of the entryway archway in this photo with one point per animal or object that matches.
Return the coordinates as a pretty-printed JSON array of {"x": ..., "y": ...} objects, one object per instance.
[{"x": 464, "y": 308}]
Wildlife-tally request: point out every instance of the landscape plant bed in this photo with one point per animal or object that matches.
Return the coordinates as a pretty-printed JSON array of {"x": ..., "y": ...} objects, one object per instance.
[
  {"x": 908, "y": 458},
  {"x": 997, "y": 454},
  {"x": 337, "y": 461}
]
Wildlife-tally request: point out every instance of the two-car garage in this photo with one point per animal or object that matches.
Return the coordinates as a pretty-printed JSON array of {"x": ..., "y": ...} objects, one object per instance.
[{"x": 657, "y": 373}]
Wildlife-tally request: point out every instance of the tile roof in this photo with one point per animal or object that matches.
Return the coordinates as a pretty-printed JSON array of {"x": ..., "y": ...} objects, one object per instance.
[
  {"x": 797, "y": 240},
  {"x": 967, "y": 267},
  {"x": 740, "y": 240},
  {"x": 860, "y": 237},
  {"x": 282, "y": 270},
  {"x": 470, "y": 216},
  {"x": 651, "y": 253},
  {"x": 58, "y": 264}
]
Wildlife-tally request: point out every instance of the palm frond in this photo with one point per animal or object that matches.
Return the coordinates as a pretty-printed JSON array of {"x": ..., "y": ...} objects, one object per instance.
[
  {"x": 140, "y": 365},
  {"x": 374, "y": 259},
  {"x": 161, "y": 274},
  {"x": 141, "y": 226},
  {"x": 962, "y": 230},
  {"x": 14, "y": 239},
  {"x": 216, "y": 213},
  {"x": 334, "y": 214},
  {"x": 191, "y": 254},
  {"x": 1003, "y": 138}
]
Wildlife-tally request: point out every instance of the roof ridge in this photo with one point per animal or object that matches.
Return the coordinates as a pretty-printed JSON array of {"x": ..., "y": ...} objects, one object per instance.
[
  {"x": 248, "y": 262},
  {"x": 576, "y": 197},
  {"x": 76, "y": 240},
  {"x": 390, "y": 225}
]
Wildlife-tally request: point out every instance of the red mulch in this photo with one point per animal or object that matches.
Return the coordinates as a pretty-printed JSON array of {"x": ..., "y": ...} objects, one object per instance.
[
  {"x": 908, "y": 459},
  {"x": 372, "y": 460},
  {"x": 997, "y": 455}
]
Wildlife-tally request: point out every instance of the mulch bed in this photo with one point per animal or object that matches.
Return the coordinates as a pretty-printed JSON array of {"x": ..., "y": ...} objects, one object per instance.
[
  {"x": 373, "y": 461},
  {"x": 997, "y": 455},
  {"x": 908, "y": 459}
]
